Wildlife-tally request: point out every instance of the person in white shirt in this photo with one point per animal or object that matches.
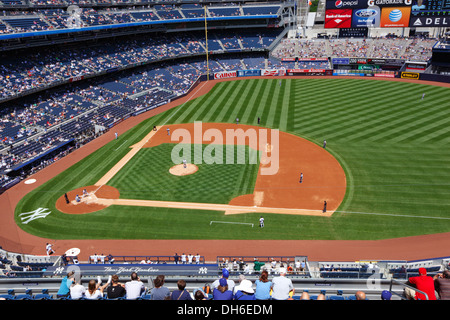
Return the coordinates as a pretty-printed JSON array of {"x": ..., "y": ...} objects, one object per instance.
[
  {"x": 197, "y": 258},
  {"x": 134, "y": 288},
  {"x": 95, "y": 289},
  {"x": 282, "y": 286},
  {"x": 77, "y": 290},
  {"x": 190, "y": 257},
  {"x": 183, "y": 259}
]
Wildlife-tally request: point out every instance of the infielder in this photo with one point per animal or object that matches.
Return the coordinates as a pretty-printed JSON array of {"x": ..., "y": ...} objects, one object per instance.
[{"x": 261, "y": 222}]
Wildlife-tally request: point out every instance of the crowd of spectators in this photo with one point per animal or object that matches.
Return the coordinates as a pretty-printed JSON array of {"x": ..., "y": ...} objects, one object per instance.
[
  {"x": 412, "y": 49},
  {"x": 50, "y": 19}
]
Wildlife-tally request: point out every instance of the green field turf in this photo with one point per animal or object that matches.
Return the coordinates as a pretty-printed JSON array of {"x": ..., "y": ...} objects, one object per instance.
[
  {"x": 146, "y": 177},
  {"x": 392, "y": 145}
]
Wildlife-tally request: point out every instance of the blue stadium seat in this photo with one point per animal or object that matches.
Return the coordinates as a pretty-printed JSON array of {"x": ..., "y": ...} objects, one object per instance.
[{"x": 44, "y": 295}]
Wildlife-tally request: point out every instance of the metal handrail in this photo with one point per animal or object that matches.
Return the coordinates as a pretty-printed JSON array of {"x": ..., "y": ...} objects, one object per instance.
[{"x": 406, "y": 286}]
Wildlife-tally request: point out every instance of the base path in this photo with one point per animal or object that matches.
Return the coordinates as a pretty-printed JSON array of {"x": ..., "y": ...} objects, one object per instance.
[{"x": 14, "y": 239}]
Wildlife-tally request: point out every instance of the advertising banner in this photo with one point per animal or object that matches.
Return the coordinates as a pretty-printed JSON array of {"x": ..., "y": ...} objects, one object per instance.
[
  {"x": 141, "y": 269},
  {"x": 306, "y": 72},
  {"x": 340, "y": 61},
  {"x": 273, "y": 72},
  {"x": 368, "y": 17},
  {"x": 390, "y": 3},
  {"x": 410, "y": 75},
  {"x": 248, "y": 73},
  {"x": 392, "y": 17},
  {"x": 430, "y": 21},
  {"x": 341, "y": 18},
  {"x": 345, "y": 4},
  {"x": 225, "y": 74}
]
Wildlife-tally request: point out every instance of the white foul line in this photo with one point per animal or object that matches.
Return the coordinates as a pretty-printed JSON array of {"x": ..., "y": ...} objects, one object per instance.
[{"x": 394, "y": 215}]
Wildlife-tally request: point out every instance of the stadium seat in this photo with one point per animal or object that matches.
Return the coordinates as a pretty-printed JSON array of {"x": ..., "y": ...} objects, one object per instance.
[{"x": 44, "y": 295}]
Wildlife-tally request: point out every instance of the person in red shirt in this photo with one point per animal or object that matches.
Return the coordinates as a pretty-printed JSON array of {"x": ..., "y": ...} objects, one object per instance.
[{"x": 423, "y": 283}]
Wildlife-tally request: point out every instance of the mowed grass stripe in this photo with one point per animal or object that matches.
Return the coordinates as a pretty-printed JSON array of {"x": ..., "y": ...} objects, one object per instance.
[
  {"x": 274, "y": 103},
  {"x": 368, "y": 121},
  {"x": 202, "y": 103},
  {"x": 349, "y": 118},
  {"x": 260, "y": 103},
  {"x": 249, "y": 114},
  {"x": 226, "y": 103},
  {"x": 237, "y": 103}
]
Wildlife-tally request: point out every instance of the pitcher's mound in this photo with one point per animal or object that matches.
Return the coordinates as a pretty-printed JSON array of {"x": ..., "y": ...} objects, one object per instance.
[{"x": 180, "y": 170}]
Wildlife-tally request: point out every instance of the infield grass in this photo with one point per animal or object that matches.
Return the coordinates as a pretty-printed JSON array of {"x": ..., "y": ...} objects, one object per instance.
[{"x": 393, "y": 146}]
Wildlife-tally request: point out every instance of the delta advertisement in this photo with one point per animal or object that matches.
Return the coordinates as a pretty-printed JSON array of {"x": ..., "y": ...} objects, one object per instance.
[{"x": 430, "y": 13}]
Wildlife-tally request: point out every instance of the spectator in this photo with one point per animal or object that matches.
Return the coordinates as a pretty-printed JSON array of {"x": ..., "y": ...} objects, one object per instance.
[
  {"x": 424, "y": 283},
  {"x": 386, "y": 295},
  {"x": 77, "y": 290},
  {"x": 442, "y": 285},
  {"x": 360, "y": 295},
  {"x": 66, "y": 283},
  {"x": 200, "y": 295},
  {"x": 222, "y": 292},
  {"x": 116, "y": 289},
  {"x": 304, "y": 296},
  {"x": 134, "y": 288},
  {"x": 263, "y": 286},
  {"x": 321, "y": 296},
  {"x": 159, "y": 292},
  {"x": 225, "y": 275},
  {"x": 282, "y": 287},
  {"x": 257, "y": 265},
  {"x": 244, "y": 291},
  {"x": 95, "y": 289},
  {"x": 181, "y": 293}
]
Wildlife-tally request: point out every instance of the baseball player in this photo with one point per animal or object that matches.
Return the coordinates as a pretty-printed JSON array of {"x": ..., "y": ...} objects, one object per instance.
[
  {"x": 324, "y": 143},
  {"x": 184, "y": 163},
  {"x": 49, "y": 248},
  {"x": 117, "y": 136},
  {"x": 168, "y": 131},
  {"x": 261, "y": 222},
  {"x": 301, "y": 177}
]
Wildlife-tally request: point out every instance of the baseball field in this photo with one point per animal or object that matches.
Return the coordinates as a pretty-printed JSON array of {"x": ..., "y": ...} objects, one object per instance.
[{"x": 389, "y": 145}]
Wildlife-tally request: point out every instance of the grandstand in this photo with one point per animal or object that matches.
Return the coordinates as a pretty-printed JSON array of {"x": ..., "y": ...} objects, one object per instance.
[{"x": 64, "y": 84}]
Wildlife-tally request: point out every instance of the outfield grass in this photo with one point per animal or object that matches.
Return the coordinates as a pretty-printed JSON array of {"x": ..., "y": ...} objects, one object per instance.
[{"x": 392, "y": 145}]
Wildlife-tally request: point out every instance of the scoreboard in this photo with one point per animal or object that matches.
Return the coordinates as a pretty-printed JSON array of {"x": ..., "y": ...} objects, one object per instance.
[{"x": 387, "y": 13}]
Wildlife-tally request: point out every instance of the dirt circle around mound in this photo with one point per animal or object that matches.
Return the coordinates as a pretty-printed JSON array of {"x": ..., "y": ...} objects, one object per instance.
[
  {"x": 86, "y": 204},
  {"x": 180, "y": 170}
]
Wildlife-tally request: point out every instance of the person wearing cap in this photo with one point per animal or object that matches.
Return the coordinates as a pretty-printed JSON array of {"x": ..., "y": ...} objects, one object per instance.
[
  {"x": 222, "y": 292},
  {"x": 386, "y": 295},
  {"x": 225, "y": 275},
  {"x": 244, "y": 291},
  {"x": 282, "y": 287},
  {"x": 424, "y": 283}
]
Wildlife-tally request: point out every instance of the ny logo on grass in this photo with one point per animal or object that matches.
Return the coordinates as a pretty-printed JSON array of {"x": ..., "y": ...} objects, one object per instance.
[
  {"x": 262, "y": 139},
  {"x": 33, "y": 215}
]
